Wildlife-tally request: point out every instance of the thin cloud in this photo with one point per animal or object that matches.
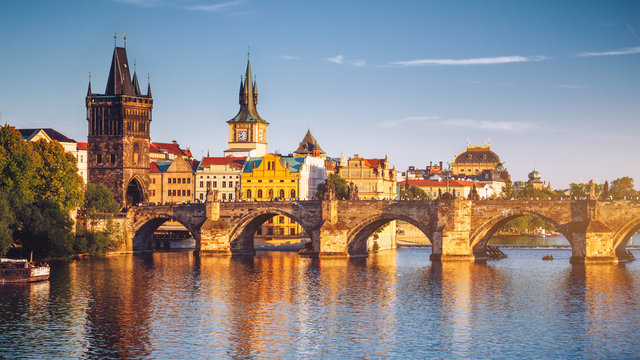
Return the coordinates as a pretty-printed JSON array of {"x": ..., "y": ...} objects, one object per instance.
[
  {"x": 507, "y": 126},
  {"x": 213, "y": 7},
  {"x": 411, "y": 119},
  {"x": 471, "y": 61},
  {"x": 336, "y": 59},
  {"x": 625, "y": 51},
  {"x": 289, "y": 57}
]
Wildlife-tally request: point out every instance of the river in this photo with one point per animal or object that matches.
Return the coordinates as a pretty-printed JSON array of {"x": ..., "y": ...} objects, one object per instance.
[{"x": 394, "y": 304}]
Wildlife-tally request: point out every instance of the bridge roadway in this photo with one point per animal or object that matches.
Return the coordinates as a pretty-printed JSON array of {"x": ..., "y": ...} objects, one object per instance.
[{"x": 597, "y": 231}]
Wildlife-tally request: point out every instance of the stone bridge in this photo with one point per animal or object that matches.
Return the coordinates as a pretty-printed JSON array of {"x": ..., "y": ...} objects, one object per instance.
[{"x": 597, "y": 231}]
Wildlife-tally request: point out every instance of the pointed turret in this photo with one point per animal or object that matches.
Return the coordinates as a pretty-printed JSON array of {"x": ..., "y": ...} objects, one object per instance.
[
  {"x": 136, "y": 84},
  {"x": 308, "y": 145},
  {"x": 248, "y": 100},
  {"x": 89, "y": 89},
  {"x": 255, "y": 92},
  {"x": 119, "y": 82},
  {"x": 149, "y": 89},
  {"x": 241, "y": 93}
]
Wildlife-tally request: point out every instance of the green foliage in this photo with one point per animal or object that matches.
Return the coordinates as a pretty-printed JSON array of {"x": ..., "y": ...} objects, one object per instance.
[
  {"x": 529, "y": 192},
  {"x": 98, "y": 199},
  {"x": 7, "y": 223},
  {"x": 97, "y": 242},
  {"x": 58, "y": 178},
  {"x": 375, "y": 247},
  {"x": 413, "y": 192},
  {"x": 18, "y": 165},
  {"x": 526, "y": 225},
  {"x": 508, "y": 190},
  {"x": 605, "y": 191},
  {"x": 341, "y": 186},
  {"x": 45, "y": 228},
  {"x": 622, "y": 188}
]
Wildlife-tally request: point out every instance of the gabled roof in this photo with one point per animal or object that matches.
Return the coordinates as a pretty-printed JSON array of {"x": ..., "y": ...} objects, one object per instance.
[
  {"x": 119, "y": 81},
  {"x": 27, "y": 134},
  {"x": 153, "y": 167},
  {"x": 235, "y": 162},
  {"x": 308, "y": 145},
  {"x": 171, "y": 148}
]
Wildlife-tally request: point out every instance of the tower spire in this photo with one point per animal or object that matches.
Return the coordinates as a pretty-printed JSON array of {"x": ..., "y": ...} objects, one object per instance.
[
  {"x": 148, "y": 85},
  {"x": 89, "y": 89}
]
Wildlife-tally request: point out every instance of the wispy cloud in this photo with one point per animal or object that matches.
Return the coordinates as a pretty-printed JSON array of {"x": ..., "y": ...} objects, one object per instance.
[
  {"x": 340, "y": 60},
  {"x": 214, "y": 7},
  {"x": 507, "y": 126},
  {"x": 625, "y": 51},
  {"x": 336, "y": 59},
  {"x": 471, "y": 61},
  {"x": 412, "y": 119}
]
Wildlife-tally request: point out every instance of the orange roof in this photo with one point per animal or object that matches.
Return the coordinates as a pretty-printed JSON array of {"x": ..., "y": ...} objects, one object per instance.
[
  {"x": 81, "y": 145},
  {"x": 235, "y": 162},
  {"x": 373, "y": 163}
]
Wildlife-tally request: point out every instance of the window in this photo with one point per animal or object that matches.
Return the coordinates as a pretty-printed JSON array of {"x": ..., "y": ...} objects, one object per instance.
[
  {"x": 113, "y": 158},
  {"x": 230, "y": 196},
  {"x": 281, "y": 180},
  {"x": 292, "y": 231},
  {"x": 293, "y": 193},
  {"x": 280, "y": 219},
  {"x": 201, "y": 183},
  {"x": 188, "y": 180},
  {"x": 280, "y": 231},
  {"x": 215, "y": 184},
  {"x": 188, "y": 192},
  {"x": 249, "y": 194},
  {"x": 208, "y": 184},
  {"x": 281, "y": 194},
  {"x": 270, "y": 193},
  {"x": 224, "y": 196},
  {"x": 270, "y": 221},
  {"x": 224, "y": 184},
  {"x": 99, "y": 158},
  {"x": 169, "y": 193},
  {"x": 153, "y": 181},
  {"x": 269, "y": 231},
  {"x": 259, "y": 232},
  {"x": 201, "y": 196},
  {"x": 260, "y": 194}
]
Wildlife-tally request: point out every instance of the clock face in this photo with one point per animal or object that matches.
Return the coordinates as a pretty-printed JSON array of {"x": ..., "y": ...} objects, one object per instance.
[
  {"x": 260, "y": 135},
  {"x": 242, "y": 135}
]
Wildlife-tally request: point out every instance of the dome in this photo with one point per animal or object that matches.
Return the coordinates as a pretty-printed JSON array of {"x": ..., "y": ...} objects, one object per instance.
[
  {"x": 479, "y": 154},
  {"x": 534, "y": 175}
]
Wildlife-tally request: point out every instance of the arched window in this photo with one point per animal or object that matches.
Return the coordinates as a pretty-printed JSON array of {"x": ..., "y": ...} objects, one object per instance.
[
  {"x": 293, "y": 193},
  {"x": 249, "y": 194},
  {"x": 224, "y": 197},
  {"x": 281, "y": 194},
  {"x": 270, "y": 193},
  {"x": 260, "y": 194}
]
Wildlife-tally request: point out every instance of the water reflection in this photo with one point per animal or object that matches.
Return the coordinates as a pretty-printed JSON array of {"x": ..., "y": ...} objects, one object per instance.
[{"x": 278, "y": 305}]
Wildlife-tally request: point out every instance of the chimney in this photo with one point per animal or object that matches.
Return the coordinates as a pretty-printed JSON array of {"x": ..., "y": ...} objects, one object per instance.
[{"x": 440, "y": 165}]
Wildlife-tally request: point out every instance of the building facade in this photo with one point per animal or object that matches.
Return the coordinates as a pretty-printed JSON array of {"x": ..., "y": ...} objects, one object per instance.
[
  {"x": 118, "y": 141},
  {"x": 374, "y": 178},
  {"x": 171, "y": 181},
  {"x": 475, "y": 160},
  {"x": 221, "y": 174}
]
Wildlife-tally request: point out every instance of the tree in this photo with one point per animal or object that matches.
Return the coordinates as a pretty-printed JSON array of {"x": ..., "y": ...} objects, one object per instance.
[
  {"x": 413, "y": 192},
  {"x": 45, "y": 228},
  {"x": 622, "y": 188},
  {"x": 59, "y": 180},
  {"x": 18, "y": 165},
  {"x": 605, "y": 191},
  {"x": 508, "y": 191},
  {"x": 340, "y": 184},
  {"x": 98, "y": 199},
  {"x": 7, "y": 221}
]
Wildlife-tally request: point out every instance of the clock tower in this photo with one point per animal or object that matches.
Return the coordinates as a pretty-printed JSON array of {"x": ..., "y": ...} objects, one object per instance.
[{"x": 247, "y": 130}]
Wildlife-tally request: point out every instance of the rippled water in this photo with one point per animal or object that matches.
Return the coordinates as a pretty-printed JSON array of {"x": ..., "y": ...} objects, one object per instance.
[{"x": 396, "y": 304}]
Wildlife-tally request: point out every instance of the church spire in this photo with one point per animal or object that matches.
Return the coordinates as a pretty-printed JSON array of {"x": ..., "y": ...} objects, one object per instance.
[
  {"x": 89, "y": 88},
  {"x": 248, "y": 98},
  {"x": 148, "y": 86},
  {"x": 136, "y": 84},
  {"x": 119, "y": 82}
]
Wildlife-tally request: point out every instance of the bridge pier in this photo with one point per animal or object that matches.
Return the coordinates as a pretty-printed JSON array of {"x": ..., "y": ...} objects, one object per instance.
[
  {"x": 595, "y": 245},
  {"x": 214, "y": 232}
]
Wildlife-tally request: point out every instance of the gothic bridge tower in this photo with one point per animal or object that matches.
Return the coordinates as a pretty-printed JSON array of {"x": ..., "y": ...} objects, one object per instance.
[
  {"x": 247, "y": 130},
  {"x": 118, "y": 141}
]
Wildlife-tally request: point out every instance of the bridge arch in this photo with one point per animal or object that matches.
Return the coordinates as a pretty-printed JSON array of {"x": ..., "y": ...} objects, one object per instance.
[
  {"x": 242, "y": 233},
  {"x": 144, "y": 229},
  {"x": 623, "y": 236},
  {"x": 481, "y": 236},
  {"x": 358, "y": 235}
]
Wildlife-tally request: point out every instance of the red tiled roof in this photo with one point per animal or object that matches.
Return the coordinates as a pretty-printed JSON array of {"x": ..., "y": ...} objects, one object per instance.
[
  {"x": 373, "y": 163},
  {"x": 153, "y": 167},
  {"x": 235, "y": 162},
  {"x": 171, "y": 148},
  {"x": 82, "y": 145}
]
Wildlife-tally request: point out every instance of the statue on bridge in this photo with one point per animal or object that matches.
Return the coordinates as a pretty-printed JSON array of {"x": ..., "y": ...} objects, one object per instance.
[
  {"x": 592, "y": 190},
  {"x": 352, "y": 191},
  {"x": 212, "y": 195}
]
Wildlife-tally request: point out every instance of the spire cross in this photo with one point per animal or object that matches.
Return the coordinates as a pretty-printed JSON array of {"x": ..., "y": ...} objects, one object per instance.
[
  {"x": 89, "y": 76},
  {"x": 134, "y": 64},
  {"x": 115, "y": 38},
  {"x": 248, "y": 51},
  {"x": 125, "y": 40}
]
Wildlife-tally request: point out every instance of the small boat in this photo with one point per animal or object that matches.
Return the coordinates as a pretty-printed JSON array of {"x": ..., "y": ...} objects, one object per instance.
[
  {"x": 547, "y": 257},
  {"x": 21, "y": 270}
]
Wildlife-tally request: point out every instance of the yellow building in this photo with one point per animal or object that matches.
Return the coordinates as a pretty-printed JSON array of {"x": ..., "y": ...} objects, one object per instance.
[
  {"x": 373, "y": 177},
  {"x": 475, "y": 160},
  {"x": 171, "y": 181},
  {"x": 274, "y": 178}
]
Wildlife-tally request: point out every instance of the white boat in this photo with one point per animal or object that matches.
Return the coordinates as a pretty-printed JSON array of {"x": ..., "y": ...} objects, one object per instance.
[{"x": 21, "y": 270}]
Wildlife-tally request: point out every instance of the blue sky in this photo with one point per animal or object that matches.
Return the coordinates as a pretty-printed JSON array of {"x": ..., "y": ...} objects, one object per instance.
[{"x": 555, "y": 82}]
